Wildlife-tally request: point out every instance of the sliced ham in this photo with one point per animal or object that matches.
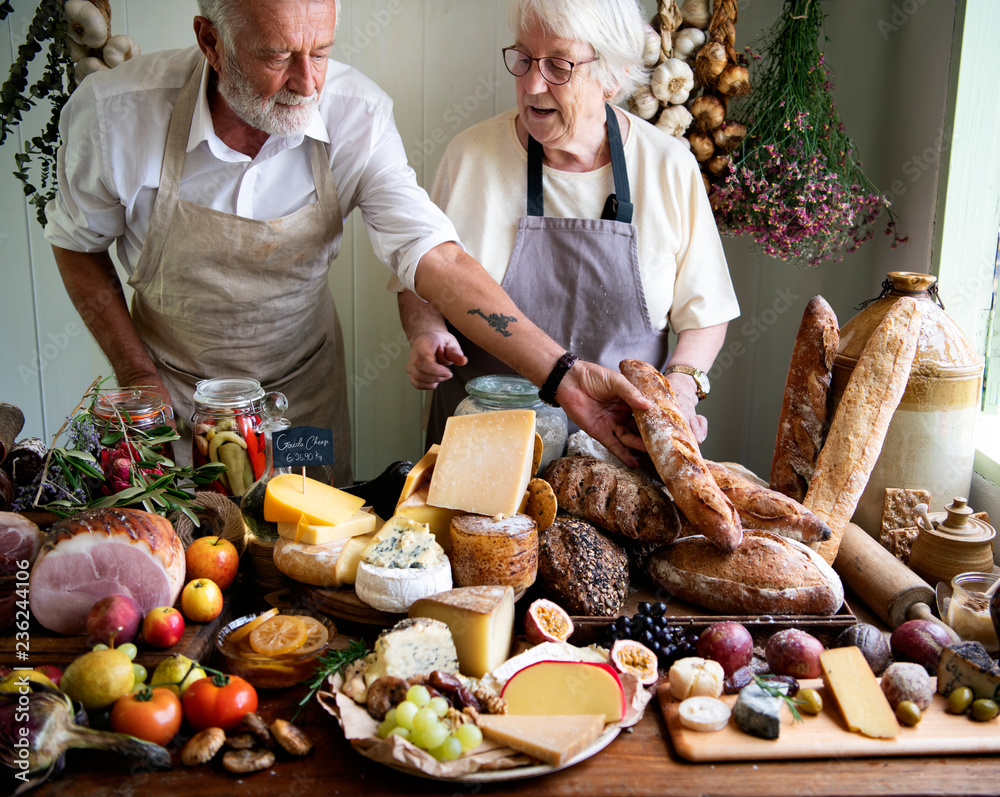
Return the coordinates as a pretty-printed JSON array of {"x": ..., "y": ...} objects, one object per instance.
[
  {"x": 102, "y": 552},
  {"x": 20, "y": 542}
]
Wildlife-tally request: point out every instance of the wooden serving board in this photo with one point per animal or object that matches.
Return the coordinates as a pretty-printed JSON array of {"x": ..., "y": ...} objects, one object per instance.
[{"x": 826, "y": 735}]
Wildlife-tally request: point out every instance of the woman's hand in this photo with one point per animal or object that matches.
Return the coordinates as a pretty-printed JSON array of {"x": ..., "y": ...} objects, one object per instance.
[
  {"x": 687, "y": 399},
  {"x": 431, "y": 355}
]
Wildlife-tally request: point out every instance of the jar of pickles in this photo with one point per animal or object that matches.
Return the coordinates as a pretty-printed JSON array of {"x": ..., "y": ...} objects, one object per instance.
[{"x": 226, "y": 423}]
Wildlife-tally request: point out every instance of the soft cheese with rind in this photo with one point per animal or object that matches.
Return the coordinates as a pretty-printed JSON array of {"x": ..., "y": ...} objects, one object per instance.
[
  {"x": 968, "y": 664},
  {"x": 413, "y": 646},
  {"x": 758, "y": 713}
]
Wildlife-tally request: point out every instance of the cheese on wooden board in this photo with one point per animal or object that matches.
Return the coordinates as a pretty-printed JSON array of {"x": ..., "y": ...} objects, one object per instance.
[
  {"x": 437, "y": 518},
  {"x": 361, "y": 522},
  {"x": 566, "y": 687},
  {"x": 484, "y": 464},
  {"x": 346, "y": 571},
  {"x": 758, "y": 713},
  {"x": 553, "y": 739},
  {"x": 419, "y": 476},
  {"x": 284, "y": 500},
  {"x": 856, "y": 690},
  {"x": 481, "y": 620},
  {"x": 414, "y": 646},
  {"x": 968, "y": 664},
  {"x": 395, "y": 589},
  {"x": 546, "y": 651}
]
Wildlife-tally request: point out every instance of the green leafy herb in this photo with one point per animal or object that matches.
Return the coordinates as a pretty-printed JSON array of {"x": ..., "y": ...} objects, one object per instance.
[
  {"x": 330, "y": 664},
  {"x": 779, "y": 689}
]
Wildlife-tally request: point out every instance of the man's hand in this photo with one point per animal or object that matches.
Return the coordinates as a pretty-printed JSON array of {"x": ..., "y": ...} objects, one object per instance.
[
  {"x": 431, "y": 355},
  {"x": 602, "y": 402}
]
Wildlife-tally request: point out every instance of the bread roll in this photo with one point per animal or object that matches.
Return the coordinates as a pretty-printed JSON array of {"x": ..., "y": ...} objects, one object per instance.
[
  {"x": 309, "y": 564},
  {"x": 805, "y": 409},
  {"x": 678, "y": 459},
  {"x": 494, "y": 551},
  {"x": 761, "y": 508},
  {"x": 861, "y": 421},
  {"x": 766, "y": 574}
]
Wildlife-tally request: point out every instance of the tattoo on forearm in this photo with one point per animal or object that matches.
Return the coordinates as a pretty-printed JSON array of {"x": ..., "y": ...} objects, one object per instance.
[{"x": 498, "y": 321}]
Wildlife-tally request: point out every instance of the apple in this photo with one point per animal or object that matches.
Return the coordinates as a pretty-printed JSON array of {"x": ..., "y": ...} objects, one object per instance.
[
  {"x": 51, "y": 672},
  {"x": 794, "y": 652},
  {"x": 163, "y": 627},
  {"x": 920, "y": 641},
  {"x": 212, "y": 557},
  {"x": 201, "y": 600},
  {"x": 114, "y": 618},
  {"x": 728, "y": 643}
]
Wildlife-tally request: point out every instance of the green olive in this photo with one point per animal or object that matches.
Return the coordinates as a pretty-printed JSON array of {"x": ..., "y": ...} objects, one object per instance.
[
  {"x": 984, "y": 709},
  {"x": 908, "y": 712},
  {"x": 959, "y": 700},
  {"x": 809, "y": 700}
]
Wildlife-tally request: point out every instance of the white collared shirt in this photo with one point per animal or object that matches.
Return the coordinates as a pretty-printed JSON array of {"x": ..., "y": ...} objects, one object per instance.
[{"x": 114, "y": 130}]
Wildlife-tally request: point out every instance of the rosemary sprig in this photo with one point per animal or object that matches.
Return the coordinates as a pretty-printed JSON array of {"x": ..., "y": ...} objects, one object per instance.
[
  {"x": 778, "y": 690},
  {"x": 330, "y": 664}
]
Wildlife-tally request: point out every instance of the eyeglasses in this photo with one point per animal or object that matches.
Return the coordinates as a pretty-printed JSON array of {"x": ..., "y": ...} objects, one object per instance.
[{"x": 555, "y": 70}]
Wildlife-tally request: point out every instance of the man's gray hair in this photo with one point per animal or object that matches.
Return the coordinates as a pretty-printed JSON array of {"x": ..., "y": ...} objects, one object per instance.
[
  {"x": 616, "y": 29},
  {"x": 229, "y": 19}
]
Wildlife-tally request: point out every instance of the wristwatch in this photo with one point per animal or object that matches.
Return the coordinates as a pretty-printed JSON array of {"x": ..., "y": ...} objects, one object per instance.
[{"x": 701, "y": 383}]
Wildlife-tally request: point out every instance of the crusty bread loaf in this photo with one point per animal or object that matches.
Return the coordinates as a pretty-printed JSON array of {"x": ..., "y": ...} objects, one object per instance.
[
  {"x": 678, "y": 460},
  {"x": 761, "y": 508},
  {"x": 309, "y": 564},
  {"x": 616, "y": 499},
  {"x": 862, "y": 419},
  {"x": 805, "y": 409},
  {"x": 766, "y": 574}
]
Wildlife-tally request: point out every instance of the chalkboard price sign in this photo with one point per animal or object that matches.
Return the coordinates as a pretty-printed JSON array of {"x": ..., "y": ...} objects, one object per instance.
[{"x": 301, "y": 446}]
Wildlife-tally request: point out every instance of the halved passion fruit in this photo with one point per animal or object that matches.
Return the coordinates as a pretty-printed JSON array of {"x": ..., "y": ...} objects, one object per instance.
[
  {"x": 627, "y": 655},
  {"x": 546, "y": 621}
]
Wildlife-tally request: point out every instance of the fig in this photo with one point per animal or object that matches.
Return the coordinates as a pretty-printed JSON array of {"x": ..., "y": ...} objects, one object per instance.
[
  {"x": 870, "y": 641},
  {"x": 794, "y": 652},
  {"x": 919, "y": 641},
  {"x": 546, "y": 621},
  {"x": 728, "y": 643},
  {"x": 627, "y": 655}
]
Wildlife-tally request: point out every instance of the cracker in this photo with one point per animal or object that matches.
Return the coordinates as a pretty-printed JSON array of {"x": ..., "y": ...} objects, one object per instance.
[
  {"x": 536, "y": 454},
  {"x": 983, "y": 516},
  {"x": 897, "y": 511},
  {"x": 541, "y": 506},
  {"x": 899, "y": 542}
]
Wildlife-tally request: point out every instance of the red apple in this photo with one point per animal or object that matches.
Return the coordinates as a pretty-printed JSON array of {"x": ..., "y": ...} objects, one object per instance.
[
  {"x": 163, "y": 627},
  {"x": 794, "y": 652},
  {"x": 51, "y": 672},
  {"x": 728, "y": 643},
  {"x": 920, "y": 641},
  {"x": 116, "y": 617},
  {"x": 212, "y": 557}
]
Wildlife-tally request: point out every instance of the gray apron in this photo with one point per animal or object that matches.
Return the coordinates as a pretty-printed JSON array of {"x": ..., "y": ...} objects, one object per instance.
[
  {"x": 577, "y": 279},
  {"x": 218, "y": 295}
]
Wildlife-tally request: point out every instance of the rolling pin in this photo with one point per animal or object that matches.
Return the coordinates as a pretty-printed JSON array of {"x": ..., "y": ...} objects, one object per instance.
[{"x": 887, "y": 586}]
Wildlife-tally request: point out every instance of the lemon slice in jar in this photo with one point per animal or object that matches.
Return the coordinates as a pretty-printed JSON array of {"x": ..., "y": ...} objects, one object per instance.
[
  {"x": 317, "y": 636},
  {"x": 241, "y": 633},
  {"x": 278, "y": 636}
]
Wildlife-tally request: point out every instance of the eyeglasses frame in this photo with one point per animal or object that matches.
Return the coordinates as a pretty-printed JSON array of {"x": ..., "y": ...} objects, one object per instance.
[{"x": 572, "y": 64}]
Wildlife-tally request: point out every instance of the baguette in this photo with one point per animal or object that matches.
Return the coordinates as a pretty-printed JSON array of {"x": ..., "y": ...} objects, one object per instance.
[
  {"x": 767, "y": 574},
  {"x": 861, "y": 421},
  {"x": 805, "y": 410},
  {"x": 678, "y": 460},
  {"x": 761, "y": 508}
]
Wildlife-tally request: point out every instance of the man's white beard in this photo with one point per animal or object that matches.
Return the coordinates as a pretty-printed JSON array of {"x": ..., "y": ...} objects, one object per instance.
[{"x": 284, "y": 113}]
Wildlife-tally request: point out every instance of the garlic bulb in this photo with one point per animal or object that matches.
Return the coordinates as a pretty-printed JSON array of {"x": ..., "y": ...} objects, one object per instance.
[
  {"x": 734, "y": 81},
  {"x": 729, "y": 136},
  {"x": 701, "y": 145},
  {"x": 708, "y": 111},
  {"x": 76, "y": 51},
  {"x": 688, "y": 41},
  {"x": 697, "y": 13},
  {"x": 87, "y": 24},
  {"x": 87, "y": 66},
  {"x": 718, "y": 165},
  {"x": 119, "y": 49},
  {"x": 644, "y": 104},
  {"x": 651, "y": 52},
  {"x": 709, "y": 63},
  {"x": 674, "y": 120},
  {"x": 672, "y": 81}
]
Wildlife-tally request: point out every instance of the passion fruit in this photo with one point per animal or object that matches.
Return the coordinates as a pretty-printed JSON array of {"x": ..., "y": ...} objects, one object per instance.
[
  {"x": 546, "y": 621},
  {"x": 627, "y": 655}
]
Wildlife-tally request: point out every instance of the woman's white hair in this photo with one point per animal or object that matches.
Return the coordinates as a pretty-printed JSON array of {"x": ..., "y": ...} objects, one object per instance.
[
  {"x": 616, "y": 29},
  {"x": 229, "y": 19}
]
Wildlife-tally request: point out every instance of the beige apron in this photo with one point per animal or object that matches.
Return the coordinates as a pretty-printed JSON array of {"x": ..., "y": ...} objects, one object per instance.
[{"x": 220, "y": 295}]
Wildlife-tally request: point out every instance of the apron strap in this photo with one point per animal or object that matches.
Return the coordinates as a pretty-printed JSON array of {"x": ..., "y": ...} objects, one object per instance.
[{"x": 618, "y": 207}]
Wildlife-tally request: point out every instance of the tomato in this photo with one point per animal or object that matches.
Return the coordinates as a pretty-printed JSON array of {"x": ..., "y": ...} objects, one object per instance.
[
  {"x": 219, "y": 701},
  {"x": 151, "y": 714}
]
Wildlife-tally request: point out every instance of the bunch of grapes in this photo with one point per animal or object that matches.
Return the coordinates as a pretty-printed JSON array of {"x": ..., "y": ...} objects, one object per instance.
[
  {"x": 420, "y": 718},
  {"x": 652, "y": 628}
]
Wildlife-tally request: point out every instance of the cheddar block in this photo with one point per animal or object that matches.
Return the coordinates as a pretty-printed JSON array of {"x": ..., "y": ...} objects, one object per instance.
[
  {"x": 554, "y": 739},
  {"x": 419, "y": 476},
  {"x": 437, "y": 518},
  {"x": 484, "y": 464},
  {"x": 346, "y": 569},
  {"x": 481, "y": 620},
  {"x": 566, "y": 687},
  {"x": 314, "y": 534},
  {"x": 284, "y": 501},
  {"x": 856, "y": 690}
]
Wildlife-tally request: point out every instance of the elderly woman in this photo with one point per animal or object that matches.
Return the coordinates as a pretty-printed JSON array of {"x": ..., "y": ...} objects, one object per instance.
[{"x": 595, "y": 222}]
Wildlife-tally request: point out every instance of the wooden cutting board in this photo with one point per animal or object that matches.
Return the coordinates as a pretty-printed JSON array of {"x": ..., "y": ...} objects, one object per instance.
[{"x": 826, "y": 735}]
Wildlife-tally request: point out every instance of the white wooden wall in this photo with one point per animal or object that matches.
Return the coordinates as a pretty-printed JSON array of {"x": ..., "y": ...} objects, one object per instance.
[{"x": 439, "y": 60}]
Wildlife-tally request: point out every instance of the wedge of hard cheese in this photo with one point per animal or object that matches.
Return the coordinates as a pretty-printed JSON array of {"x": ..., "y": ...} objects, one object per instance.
[
  {"x": 862, "y": 703},
  {"x": 553, "y": 739},
  {"x": 289, "y": 496},
  {"x": 360, "y": 522},
  {"x": 437, "y": 518},
  {"x": 419, "y": 475},
  {"x": 566, "y": 687}
]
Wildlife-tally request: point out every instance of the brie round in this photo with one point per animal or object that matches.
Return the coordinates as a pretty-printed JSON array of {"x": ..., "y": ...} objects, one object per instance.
[{"x": 394, "y": 589}]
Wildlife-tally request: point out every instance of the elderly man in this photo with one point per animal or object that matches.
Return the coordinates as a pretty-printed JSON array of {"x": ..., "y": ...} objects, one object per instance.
[{"x": 223, "y": 173}]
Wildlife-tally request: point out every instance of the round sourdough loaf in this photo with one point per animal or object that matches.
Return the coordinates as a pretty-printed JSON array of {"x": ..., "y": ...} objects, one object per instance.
[
  {"x": 494, "y": 550},
  {"x": 766, "y": 574}
]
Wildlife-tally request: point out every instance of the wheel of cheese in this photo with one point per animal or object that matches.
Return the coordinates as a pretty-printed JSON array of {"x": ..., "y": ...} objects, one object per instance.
[
  {"x": 395, "y": 589},
  {"x": 492, "y": 550},
  {"x": 309, "y": 564}
]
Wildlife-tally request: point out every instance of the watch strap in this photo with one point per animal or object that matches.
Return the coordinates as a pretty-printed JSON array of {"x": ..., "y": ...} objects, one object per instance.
[
  {"x": 547, "y": 392},
  {"x": 695, "y": 373}
]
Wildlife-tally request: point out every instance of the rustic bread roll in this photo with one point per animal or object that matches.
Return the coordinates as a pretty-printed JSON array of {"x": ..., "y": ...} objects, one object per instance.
[
  {"x": 494, "y": 550},
  {"x": 805, "y": 410},
  {"x": 761, "y": 508},
  {"x": 861, "y": 421},
  {"x": 618, "y": 500},
  {"x": 766, "y": 574},
  {"x": 309, "y": 564},
  {"x": 581, "y": 569},
  {"x": 678, "y": 459}
]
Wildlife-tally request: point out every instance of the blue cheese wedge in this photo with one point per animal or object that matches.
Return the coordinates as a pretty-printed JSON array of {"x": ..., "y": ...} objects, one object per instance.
[
  {"x": 758, "y": 713},
  {"x": 414, "y": 646},
  {"x": 403, "y": 543},
  {"x": 968, "y": 664}
]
